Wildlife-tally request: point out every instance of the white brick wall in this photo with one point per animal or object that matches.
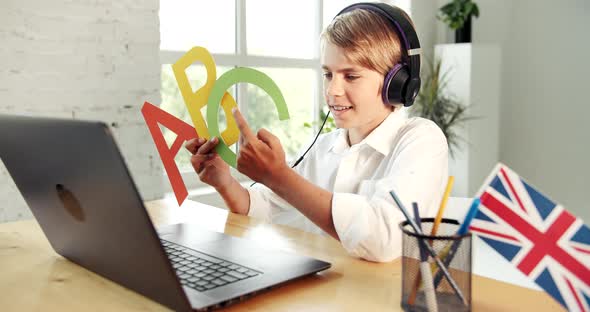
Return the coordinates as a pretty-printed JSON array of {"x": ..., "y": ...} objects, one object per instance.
[{"x": 83, "y": 59}]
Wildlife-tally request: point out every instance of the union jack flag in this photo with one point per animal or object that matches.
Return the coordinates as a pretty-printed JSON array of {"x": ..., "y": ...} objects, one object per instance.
[{"x": 542, "y": 239}]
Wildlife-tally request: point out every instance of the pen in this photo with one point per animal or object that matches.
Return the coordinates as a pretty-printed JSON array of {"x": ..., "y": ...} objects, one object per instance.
[
  {"x": 428, "y": 287},
  {"x": 469, "y": 217}
]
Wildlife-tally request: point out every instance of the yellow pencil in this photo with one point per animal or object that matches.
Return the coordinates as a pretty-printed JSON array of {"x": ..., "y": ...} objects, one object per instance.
[{"x": 443, "y": 205}]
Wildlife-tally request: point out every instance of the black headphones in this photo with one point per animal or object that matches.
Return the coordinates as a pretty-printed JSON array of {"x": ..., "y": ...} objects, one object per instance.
[{"x": 402, "y": 82}]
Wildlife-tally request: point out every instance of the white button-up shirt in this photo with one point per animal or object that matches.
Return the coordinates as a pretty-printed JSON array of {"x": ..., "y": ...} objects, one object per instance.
[{"x": 408, "y": 155}]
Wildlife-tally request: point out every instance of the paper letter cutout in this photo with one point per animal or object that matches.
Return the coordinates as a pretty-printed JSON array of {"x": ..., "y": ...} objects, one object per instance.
[
  {"x": 154, "y": 115},
  {"x": 240, "y": 74},
  {"x": 194, "y": 101},
  {"x": 213, "y": 92}
]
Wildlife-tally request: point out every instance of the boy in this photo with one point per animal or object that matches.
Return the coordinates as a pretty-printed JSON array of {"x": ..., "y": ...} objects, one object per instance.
[{"x": 341, "y": 187}]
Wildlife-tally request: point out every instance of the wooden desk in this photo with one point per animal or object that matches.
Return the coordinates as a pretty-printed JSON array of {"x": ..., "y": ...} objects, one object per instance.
[{"x": 34, "y": 278}]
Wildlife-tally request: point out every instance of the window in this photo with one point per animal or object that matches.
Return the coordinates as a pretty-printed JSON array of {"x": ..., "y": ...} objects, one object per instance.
[{"x": 278, "y": 38}]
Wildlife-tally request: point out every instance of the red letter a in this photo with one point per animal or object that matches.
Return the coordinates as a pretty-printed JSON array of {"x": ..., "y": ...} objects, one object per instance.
[{"x": 154, "y": 115}]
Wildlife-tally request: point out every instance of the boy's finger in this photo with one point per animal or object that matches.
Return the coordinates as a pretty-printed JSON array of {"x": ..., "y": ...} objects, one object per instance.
[
  {"x": 208, "y": 146},
  {"x": 245, "y": 130},
  {"x": 268, "y": 138},
  {"x": 193, "y": 145}
]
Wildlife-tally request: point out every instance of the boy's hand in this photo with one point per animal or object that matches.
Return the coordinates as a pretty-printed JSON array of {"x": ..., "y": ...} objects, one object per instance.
[
  {"x": 261, "y": 157},
  {"x": 207, "y": 163}
]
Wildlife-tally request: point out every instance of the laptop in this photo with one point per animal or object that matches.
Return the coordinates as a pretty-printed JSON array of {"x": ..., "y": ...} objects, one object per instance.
[{"x": 75, "y": 181}]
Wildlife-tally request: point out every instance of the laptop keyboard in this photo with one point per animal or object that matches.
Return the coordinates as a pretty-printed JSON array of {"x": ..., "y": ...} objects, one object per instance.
[{"x": 202, "y": 272}]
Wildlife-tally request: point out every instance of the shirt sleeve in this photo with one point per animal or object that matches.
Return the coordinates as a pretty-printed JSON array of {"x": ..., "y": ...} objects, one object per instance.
[
  {"x": 368, "y": 225},
  {"x": 265, "y": 204}
]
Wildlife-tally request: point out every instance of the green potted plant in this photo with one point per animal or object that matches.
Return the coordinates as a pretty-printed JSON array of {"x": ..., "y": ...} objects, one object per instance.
[
  {"x": 437, "y": 105},
  {"x": 457, "y": 15}
]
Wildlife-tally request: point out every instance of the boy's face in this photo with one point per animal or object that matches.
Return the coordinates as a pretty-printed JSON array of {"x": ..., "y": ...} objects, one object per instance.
[{"x": 352, "y": 92}]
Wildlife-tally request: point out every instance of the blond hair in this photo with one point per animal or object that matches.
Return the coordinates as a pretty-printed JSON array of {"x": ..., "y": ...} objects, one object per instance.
[{"x": 367, "y": 38}]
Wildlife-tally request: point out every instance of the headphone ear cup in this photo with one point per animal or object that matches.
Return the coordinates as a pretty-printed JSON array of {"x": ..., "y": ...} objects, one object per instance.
[
  {"x": 394, "y": 86},
  {"x": 412, "y": 89}
]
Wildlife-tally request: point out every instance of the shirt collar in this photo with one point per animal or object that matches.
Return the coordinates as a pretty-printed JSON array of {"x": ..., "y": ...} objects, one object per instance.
[{"x": 380, "y": 139}]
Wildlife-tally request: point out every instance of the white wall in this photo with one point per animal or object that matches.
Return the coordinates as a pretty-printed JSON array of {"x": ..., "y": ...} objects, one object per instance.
[
  {"x": 423, "y": 15},
  {"x": 544, "y": 128},
  {"x": 82, "y": 60},
  {"x": 484, "y": 133},
  {"x": 541, "y": 99}
]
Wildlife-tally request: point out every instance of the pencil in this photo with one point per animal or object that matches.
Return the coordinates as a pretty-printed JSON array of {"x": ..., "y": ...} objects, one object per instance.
[{"x": 443, "y": 205}]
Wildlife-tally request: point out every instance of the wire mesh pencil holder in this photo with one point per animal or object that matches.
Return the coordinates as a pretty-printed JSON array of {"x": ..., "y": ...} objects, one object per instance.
[{"x": 425, "y": 287}]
